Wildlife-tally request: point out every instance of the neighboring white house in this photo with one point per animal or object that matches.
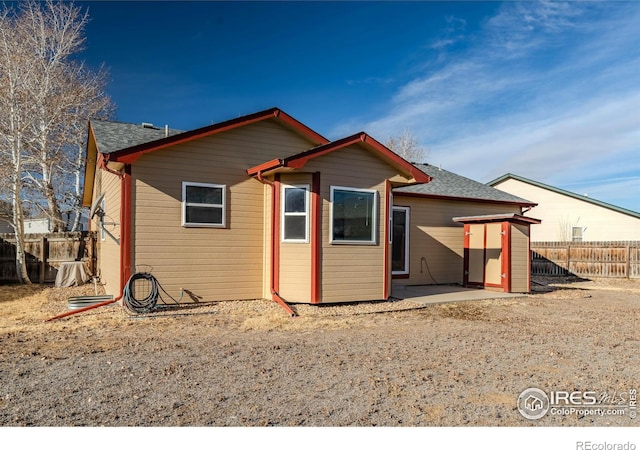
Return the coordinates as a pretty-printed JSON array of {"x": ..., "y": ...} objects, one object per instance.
[
  {"x": 30, "y": 226},
  {"x": 567, "y": 216}
]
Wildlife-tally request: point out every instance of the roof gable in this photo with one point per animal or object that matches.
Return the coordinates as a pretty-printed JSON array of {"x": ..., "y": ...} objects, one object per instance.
[
  {"x": 125, "y": 143},
  {"x": 564, "y": 192},
  {"x": 299, "y": 160},
  {"x": 449, "y": 185}
]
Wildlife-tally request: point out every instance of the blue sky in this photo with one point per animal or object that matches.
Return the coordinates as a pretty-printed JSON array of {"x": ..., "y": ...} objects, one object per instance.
[{"x": 545, "y": 90}]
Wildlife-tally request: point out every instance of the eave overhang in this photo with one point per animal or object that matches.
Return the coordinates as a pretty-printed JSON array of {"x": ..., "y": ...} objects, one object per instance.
[{"x": 463, "y": 199}]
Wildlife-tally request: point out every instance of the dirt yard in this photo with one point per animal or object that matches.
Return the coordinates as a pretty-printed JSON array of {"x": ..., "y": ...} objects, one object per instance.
[{"x": 384, "y": 364}]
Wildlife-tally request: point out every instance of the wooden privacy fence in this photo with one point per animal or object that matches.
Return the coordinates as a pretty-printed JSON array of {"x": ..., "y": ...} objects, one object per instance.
[
  {"x": 586, "y": 259},
  {"x": 45, "y": 254}
]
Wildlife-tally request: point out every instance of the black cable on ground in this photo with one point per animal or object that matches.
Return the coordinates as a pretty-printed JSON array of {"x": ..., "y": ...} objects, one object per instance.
[
  {"x": 141, "y": 305},
  {"x": 150, "y": 301}
]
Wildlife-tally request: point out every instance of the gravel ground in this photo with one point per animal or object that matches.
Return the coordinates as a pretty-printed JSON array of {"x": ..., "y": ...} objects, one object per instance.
[{"x": 378, "y": 364}]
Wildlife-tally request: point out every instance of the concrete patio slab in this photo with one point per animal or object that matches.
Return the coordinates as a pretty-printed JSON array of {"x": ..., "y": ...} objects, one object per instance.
[{"x": 429, "y": 294}]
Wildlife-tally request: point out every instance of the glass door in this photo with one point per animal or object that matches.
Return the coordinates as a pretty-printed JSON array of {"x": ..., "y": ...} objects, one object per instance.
[{"x": 400, "y": 241}]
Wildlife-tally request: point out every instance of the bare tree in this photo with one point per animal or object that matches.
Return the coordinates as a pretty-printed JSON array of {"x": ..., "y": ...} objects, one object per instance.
[
  {"x": 92, "y": 102},
  {"x": 407, "y": 146},
  {"x": 15, "y": 68},
  {"x": 44, "y": 97},
  {"x": 64, "y": 93}
]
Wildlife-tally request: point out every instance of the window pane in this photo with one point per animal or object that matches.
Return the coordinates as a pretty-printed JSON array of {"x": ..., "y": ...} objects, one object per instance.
[
  {"x": 204, "y": 194},
  {"x": 398, "y": 247},
  {"x": 198, "y": 214},
  {"x": 295, "y": 227},
  {"x": 295, "y": 200},
  {"x": 576, "y": 234},
  {"x": 353, "y": 215}
]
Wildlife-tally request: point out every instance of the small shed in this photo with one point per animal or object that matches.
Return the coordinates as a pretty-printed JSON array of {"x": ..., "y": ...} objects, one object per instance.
[{"x": 496, "y": 251}]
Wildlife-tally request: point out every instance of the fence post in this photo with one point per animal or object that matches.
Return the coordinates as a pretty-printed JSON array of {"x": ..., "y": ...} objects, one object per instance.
[
  {"x": 43, "y": 258},
  {"x": 628, "y": 260}
]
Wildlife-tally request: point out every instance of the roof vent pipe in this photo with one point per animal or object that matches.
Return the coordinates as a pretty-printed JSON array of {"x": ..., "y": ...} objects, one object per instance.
[
  {"x": 147, "y": 125},
  {"x": 166, "y": 131}
]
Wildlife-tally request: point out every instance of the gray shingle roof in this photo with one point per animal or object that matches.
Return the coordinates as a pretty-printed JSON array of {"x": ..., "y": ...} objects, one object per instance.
[
  {"x": 451, "y": 185},
  {"x": 114, "y": 136}
]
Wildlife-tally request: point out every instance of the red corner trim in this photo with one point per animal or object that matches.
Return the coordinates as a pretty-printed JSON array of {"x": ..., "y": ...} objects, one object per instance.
[
  {"x": 316, "y": 208},
  {"x": 506, "y": 256},
  {"x": 387, "y": 269},
  {"x": 125, "y": 226},
  {"x": 275, "y": 233}
]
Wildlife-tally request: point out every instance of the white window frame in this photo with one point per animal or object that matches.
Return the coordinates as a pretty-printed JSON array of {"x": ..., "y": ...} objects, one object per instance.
[
  {"x": 390, "y": 218},
  {"x": 407, "y": 211},
  {"x": 575, "y": 237},
  {"x": 374, "y": 217},
  {"x": 284, "y": 213},
  {"x": 222, "y": 205}
]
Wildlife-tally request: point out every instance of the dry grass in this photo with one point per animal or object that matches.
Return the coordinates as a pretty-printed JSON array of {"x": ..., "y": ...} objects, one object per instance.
[{"x": 249, "y": 364}]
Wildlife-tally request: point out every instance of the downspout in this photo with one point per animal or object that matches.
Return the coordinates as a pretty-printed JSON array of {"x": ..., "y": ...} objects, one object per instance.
[
  {"x": 125, "y": 227},
  {"x": 125, "y": 239},
  {"x": 274, "y": 236}
]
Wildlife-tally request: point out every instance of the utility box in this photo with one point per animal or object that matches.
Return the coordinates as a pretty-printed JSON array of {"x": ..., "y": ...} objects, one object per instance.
[{"x": 496, "y": 252}]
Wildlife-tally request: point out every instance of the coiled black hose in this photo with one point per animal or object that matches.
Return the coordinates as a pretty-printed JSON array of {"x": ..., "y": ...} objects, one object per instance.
[{"x": 141, "y": 305}]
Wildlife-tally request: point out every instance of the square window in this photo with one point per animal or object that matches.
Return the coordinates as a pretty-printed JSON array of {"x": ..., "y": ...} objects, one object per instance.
[
  {"x": 576, "y": 234},
  {"x": 203, "y": 205},
  {"x": 353, "y": 215}
]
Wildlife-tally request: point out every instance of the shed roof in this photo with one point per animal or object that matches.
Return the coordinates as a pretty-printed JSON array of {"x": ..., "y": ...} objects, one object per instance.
[
  {"x": 508, "y": 217},
  {"x": 445, "y": 184}
]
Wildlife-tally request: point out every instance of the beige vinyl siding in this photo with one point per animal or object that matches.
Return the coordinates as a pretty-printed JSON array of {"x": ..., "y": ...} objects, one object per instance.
[
  {"x": 109, "y": 248},
  {"x": 436, "y": 243},
  {"x": 352, "y": 272},
  {"x": 211, "y": 263},
  {"x": 560, "y": 213},
  {"x": 295, "y": 257},
  {"x": 295, "y": 272},
  {"x": 519, "y": 258}
]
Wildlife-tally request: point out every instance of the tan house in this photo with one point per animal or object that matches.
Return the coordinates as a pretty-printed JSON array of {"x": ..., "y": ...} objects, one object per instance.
[
  {"x": 256, "y": 207},
  {"x": 262, "y": 206},
  {"x": 567, "y": 216}
]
